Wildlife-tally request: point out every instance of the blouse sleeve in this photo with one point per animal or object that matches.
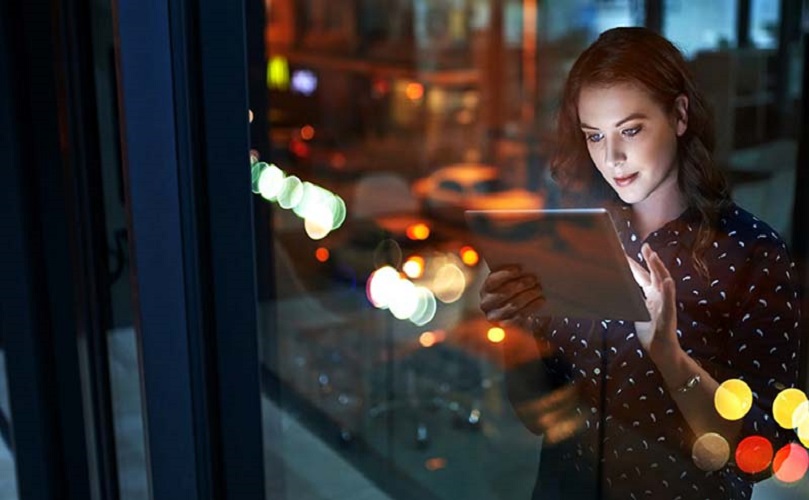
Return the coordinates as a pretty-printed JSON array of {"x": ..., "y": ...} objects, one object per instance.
[{"x": 764, "y": 343}]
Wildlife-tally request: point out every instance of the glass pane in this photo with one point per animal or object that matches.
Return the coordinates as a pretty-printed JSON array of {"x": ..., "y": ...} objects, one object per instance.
[
  {"x": 124, "y": 368},
  {"x": 8, "y": 473},
  {"x": 696, "y": 26},
  {"x": 386, "y": 120}
]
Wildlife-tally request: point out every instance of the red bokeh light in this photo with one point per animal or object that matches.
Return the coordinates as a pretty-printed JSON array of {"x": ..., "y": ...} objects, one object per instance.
[
  {"x": 790, "y": 463},
  {"x": 753, "y": 454}
]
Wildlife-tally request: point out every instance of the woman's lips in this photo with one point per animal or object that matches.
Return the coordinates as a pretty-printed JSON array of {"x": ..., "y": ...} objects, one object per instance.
[{"x": 625, "y": 181}]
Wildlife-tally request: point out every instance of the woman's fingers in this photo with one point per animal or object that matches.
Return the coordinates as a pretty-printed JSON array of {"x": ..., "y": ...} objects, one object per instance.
[
  {"x": 523, "y": 303},
  {"x": 495, "y": 297},
  {"x": 657, "y": 269},
  {"x": 499, "y": 277}
]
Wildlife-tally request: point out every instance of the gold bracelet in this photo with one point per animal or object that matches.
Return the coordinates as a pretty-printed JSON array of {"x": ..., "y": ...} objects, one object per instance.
[{"x": 689, "y": 384}]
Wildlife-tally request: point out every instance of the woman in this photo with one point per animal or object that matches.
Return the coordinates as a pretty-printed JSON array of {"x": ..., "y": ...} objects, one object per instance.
[{"x": 630, "y": 400}]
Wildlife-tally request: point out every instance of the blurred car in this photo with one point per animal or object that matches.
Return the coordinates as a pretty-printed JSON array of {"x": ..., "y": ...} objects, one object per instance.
[
  {"x": 323, "y": 154},
  {"x": 450, "y": 190}
]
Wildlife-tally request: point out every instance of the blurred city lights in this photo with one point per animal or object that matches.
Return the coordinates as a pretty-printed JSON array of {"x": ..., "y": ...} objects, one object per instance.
[
  {"x": 785, "y": 405},
  {"x": 277, "y": 73},
  {"x": 427, "y": 339},
  {"x": 733, "y": 399},
  {"x": 380, "y": 286},
  {"x": 753, "y": 454},
  {"x": 803, "y": 433},
  {"x": 437, "y": 463},
  {"x": 322, "y": 254},
  {"x": 710, "y": 452},
  {"x": 403, "y": 299},
  {"x": 322, "y": 210},
  {"x": 307, "y": 132},
  {"x": 449, "y": 283},
  {"x": 414, "y": 91},
  {"x": 318, "y": 227},
  {"x": 270, "y": 181},
  {"x": 414, "y": 266},
  {"x": 291, "y": 192},
  {"x": 249, "y": 116},
  {"x": 304, "y": 81},
  {"x": 469, "y": 256},
  {"x": 426, "y": 307},
  {"x": 300, "y": 148},
  {"x": 418, "y": 231},
  {"x": 496, "y": 335},
  {"x": 790, "y": 463},
  {"x": 381, "y": 87}
]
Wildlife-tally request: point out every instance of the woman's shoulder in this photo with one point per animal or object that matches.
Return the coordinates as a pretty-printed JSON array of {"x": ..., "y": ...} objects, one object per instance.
[{"x": 746, "y": 230}]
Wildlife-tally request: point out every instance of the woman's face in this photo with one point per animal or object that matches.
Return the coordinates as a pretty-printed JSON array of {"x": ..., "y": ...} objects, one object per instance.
[{"x": 633, "y": 141}]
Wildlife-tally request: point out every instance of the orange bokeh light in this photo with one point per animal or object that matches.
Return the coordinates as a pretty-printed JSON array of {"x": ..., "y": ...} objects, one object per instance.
[
  {"x": 469, "y": 256},
  {"x": 753, "y": 454},
  {"x": 414, "y": 267},
  {"x": 427, "y": 339},
  {"x": 435, "y": 463},
  {"x": 790, "y": 463},
  {"x": 307, "y": 132},
  {"x": 414, "y": 91},
  {"x": 322, "y": 254},
  {"x": 496, "y": 335},
  {"x": 418, "y": 231}
]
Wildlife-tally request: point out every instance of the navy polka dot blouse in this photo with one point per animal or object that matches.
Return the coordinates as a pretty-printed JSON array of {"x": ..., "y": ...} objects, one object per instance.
[{"x": 740, "y": 321}]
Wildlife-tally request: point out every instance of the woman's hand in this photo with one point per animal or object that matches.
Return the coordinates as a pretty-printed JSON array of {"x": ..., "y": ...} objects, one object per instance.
[
  {"x": 509, "y": 296},
  {"x": 658, "y": 336}
]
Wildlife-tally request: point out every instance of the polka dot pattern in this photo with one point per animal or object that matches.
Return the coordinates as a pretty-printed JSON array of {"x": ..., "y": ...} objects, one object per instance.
[{"x": 738, "y": 322}]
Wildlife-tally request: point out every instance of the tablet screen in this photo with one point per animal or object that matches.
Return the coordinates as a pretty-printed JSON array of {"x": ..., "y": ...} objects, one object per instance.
[{"x": 575, "y": 253}]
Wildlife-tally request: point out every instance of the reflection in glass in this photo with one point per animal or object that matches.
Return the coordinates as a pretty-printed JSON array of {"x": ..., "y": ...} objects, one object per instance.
[
  {"x": 410, "y": 112},
  {"x": 8, "y": 473}
]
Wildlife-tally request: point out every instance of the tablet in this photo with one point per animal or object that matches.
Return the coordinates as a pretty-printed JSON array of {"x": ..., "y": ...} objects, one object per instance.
[{"x": 575, "y": 253}]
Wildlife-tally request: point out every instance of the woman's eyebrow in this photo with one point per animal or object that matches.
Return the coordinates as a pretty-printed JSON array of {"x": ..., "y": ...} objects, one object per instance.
[{"x": 633, "y": 116}]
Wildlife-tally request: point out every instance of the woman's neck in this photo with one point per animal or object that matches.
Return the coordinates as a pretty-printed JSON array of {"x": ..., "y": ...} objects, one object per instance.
[{"x": 654, "y": 212}]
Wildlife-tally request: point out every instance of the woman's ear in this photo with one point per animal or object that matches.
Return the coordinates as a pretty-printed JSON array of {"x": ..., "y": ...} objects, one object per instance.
[{"x": 681, "y": 114}]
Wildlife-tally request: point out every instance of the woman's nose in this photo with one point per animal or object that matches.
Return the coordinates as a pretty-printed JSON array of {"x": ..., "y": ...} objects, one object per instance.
[{"x": 614, "y": 155}]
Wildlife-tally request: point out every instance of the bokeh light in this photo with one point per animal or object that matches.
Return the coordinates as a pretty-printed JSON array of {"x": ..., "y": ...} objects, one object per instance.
[
  {"x": 754, "y": 454},
  {"x": 414, "y": 91},
  {"x": 426, "y": 307},
  {"x": 380, "y": 286},
  {"x": 496, "y": 335},
  {"x": 322, "y": 254},
  {"x": 733, "y": 399},
  {"x": 710, "y": 452},
  {"x": 803, "y": 433},
  {"x": 436, "y": 463},
  {"x": 427, "y": 339},
  {"x": 418, "y": 231},
  {"x": 785, "y": 405},
  {"x": 291, "y": 192},
  {"x": 414, "y": 266},
  {"x": 403, "y": 300},
  {"x": 256, "y": 169},
  {"x": 307, "y": 132},
  {"x": 790, "y": 463},
  {"x": 469, "y": 256},
  {"x": 449, "y": 283},
  {"x": 270, "y": 181},
  {"x": 249, "y": 116},
  {"x": 318, "y": 227}
]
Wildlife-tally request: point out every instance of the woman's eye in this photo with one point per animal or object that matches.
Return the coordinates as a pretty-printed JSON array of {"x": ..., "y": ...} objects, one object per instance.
[
  {"x": 631, "y": 132},
  {"x": 595, "y": 137}
]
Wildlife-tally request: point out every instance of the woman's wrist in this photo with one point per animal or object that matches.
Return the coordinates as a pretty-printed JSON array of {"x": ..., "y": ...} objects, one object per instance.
[{"x": 675, "y": 366}]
